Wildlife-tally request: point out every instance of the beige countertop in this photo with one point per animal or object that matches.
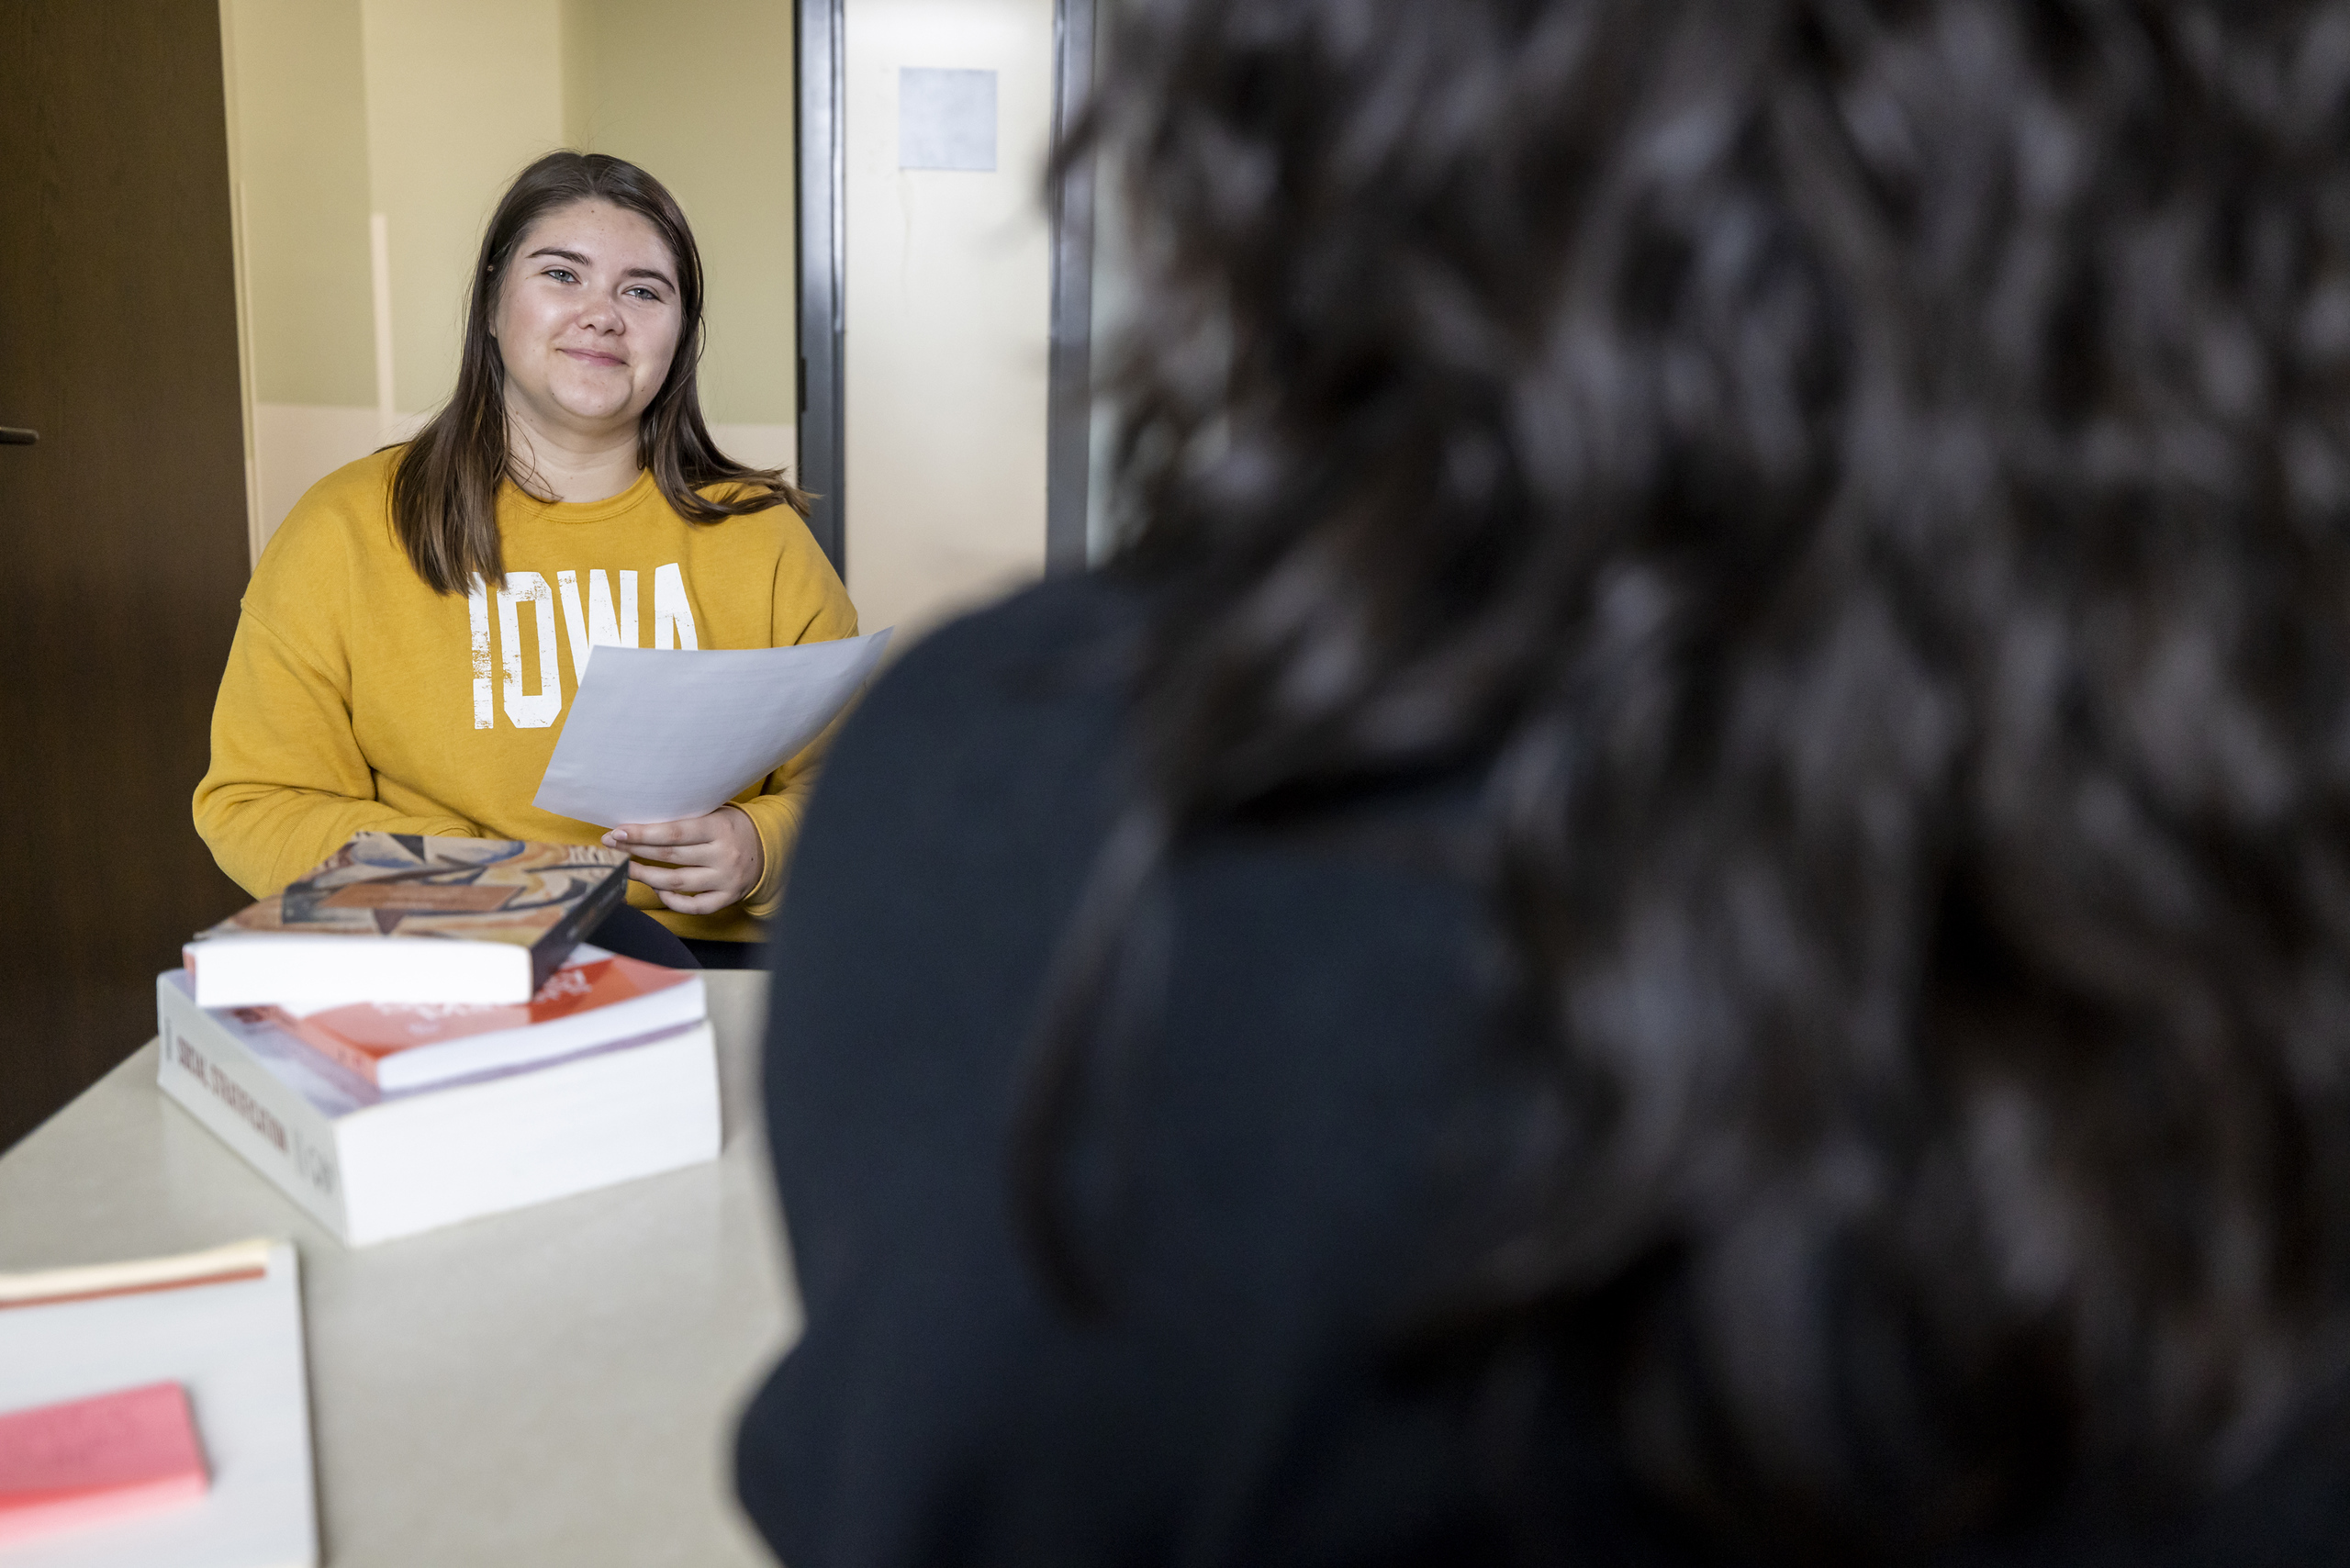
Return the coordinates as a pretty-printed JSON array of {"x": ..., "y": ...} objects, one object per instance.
[{"x": 555, "y": 1385}]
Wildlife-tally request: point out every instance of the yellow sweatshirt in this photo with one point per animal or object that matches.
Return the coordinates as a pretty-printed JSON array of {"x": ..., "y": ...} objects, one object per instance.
[{"x": 356, "y": 696}]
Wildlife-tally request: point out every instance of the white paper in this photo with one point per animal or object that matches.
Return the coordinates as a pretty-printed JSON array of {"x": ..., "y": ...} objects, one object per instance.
[
  {"x": 946, "y": 118},
  {"x": 654, "y": 736}
]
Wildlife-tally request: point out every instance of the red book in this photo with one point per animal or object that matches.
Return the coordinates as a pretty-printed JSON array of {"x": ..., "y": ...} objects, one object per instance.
[
  {"x": 596, "y": 999},
  {"x": 90, "y": 1461}
]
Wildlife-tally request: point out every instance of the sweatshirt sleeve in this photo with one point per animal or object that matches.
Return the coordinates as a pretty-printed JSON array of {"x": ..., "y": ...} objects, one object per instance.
[
  {"x": 288, "y": 783},
  {"x": 810, "y": 606}
]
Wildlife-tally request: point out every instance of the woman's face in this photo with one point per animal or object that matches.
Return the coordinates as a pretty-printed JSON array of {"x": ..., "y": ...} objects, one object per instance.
[{"x": 588, "y": 319}]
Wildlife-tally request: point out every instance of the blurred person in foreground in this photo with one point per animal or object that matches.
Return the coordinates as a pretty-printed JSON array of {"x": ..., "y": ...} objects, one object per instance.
[{"x": 1688, "y": 898}]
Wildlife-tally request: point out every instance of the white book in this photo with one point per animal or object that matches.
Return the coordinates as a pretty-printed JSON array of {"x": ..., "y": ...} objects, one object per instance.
[
  {"x": 373, "y": 1165},
  {"x": 236, "y": 1346}
]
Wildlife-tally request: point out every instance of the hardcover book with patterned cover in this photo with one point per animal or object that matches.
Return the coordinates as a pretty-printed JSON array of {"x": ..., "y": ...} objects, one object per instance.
[{"x": 497, "y": 917}]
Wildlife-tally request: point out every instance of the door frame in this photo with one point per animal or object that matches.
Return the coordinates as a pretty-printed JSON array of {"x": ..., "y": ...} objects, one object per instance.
[
  {"x": 819, "y": 95},
  {"x": 1069, "y": 436},
  {"x": 822, "y": 260}
]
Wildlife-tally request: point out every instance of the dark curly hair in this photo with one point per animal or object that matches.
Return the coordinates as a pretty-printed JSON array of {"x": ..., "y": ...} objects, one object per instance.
[{"x": 1869, "y": 482}]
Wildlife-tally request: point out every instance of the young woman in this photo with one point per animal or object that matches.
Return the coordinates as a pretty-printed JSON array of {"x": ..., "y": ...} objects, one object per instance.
[
  {"x": 417, "y": 625},
  {"x": 1689, "y": 902}
]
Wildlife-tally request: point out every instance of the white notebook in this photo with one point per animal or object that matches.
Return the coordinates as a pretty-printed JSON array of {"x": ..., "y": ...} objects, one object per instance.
[{"x": 236, "y": 1346}]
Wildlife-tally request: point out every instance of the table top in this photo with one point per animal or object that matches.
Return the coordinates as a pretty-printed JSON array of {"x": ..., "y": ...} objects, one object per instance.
[{"x": 557, "y": 1384}]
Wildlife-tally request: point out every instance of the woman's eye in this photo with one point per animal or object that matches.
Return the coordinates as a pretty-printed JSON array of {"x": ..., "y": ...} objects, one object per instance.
[
  {"x": 563, "y": 275},
  {"x": 649, "y": 296}
]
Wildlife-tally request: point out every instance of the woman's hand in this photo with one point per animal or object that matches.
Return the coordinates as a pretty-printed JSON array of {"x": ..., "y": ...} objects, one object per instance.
[{"x": 712, "y": 861}]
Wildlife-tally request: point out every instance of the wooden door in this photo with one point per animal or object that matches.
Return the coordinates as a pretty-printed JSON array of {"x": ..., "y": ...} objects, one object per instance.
[{"x": 124, "y": 527}]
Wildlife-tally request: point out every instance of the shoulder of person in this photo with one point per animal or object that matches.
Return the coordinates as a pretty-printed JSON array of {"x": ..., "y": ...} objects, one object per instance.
[
  {"x": 1068, "y": 639},
  {"x": 341, "y": 526},
  {"x": 778, "y": 527},
  {"x": 728, "y": 490},
  {"x": 349, "y": 506}
]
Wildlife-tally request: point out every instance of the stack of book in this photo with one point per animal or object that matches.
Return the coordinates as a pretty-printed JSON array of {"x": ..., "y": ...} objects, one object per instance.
[{"x": 413, "y": 1034}]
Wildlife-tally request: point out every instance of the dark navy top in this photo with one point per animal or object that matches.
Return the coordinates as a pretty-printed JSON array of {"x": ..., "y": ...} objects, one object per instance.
[{"x": 1285, "y": 1141}]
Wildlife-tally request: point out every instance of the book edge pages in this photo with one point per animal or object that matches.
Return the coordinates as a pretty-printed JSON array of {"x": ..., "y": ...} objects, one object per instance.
[
  {"x": 285, "y": 1253},
  {"x": 237, "y": 1260},
  {"x": 481, "y": 1055},
  {"x": 499, "y": 971},
  {"x": 381, "y": 1124}
]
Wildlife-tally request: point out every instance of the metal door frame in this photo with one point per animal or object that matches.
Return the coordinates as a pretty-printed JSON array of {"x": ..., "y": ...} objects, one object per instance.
[
  {"x": 818, "y": 114},
  {"x": 1068, "y": 437}
]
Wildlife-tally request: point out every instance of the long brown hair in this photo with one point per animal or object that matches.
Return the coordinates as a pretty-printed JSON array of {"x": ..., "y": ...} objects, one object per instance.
[{"x": 444, "y": 484}]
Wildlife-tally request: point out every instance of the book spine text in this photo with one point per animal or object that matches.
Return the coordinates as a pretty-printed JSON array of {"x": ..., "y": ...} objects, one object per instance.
[{"x": 211, "y": 1073}]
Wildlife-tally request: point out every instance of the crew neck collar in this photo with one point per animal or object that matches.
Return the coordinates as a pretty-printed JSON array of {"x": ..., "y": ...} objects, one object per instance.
[{"x": 586, "y": 512}]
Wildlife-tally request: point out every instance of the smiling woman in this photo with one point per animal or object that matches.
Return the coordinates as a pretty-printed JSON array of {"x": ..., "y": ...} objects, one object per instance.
[
  {"x": 587, "y": 329},
  {"x": 363, "y": 690}
]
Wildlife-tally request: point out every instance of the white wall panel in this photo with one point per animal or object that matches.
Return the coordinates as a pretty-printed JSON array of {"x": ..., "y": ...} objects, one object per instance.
[{"x": 948, "y": 312}]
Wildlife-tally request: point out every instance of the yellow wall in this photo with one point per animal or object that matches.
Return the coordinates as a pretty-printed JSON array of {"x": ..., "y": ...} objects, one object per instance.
[
  {"x": 461, "y": 94},
  {"x": 702, "y": 96},
  {"x": 302, "y": 136}
]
